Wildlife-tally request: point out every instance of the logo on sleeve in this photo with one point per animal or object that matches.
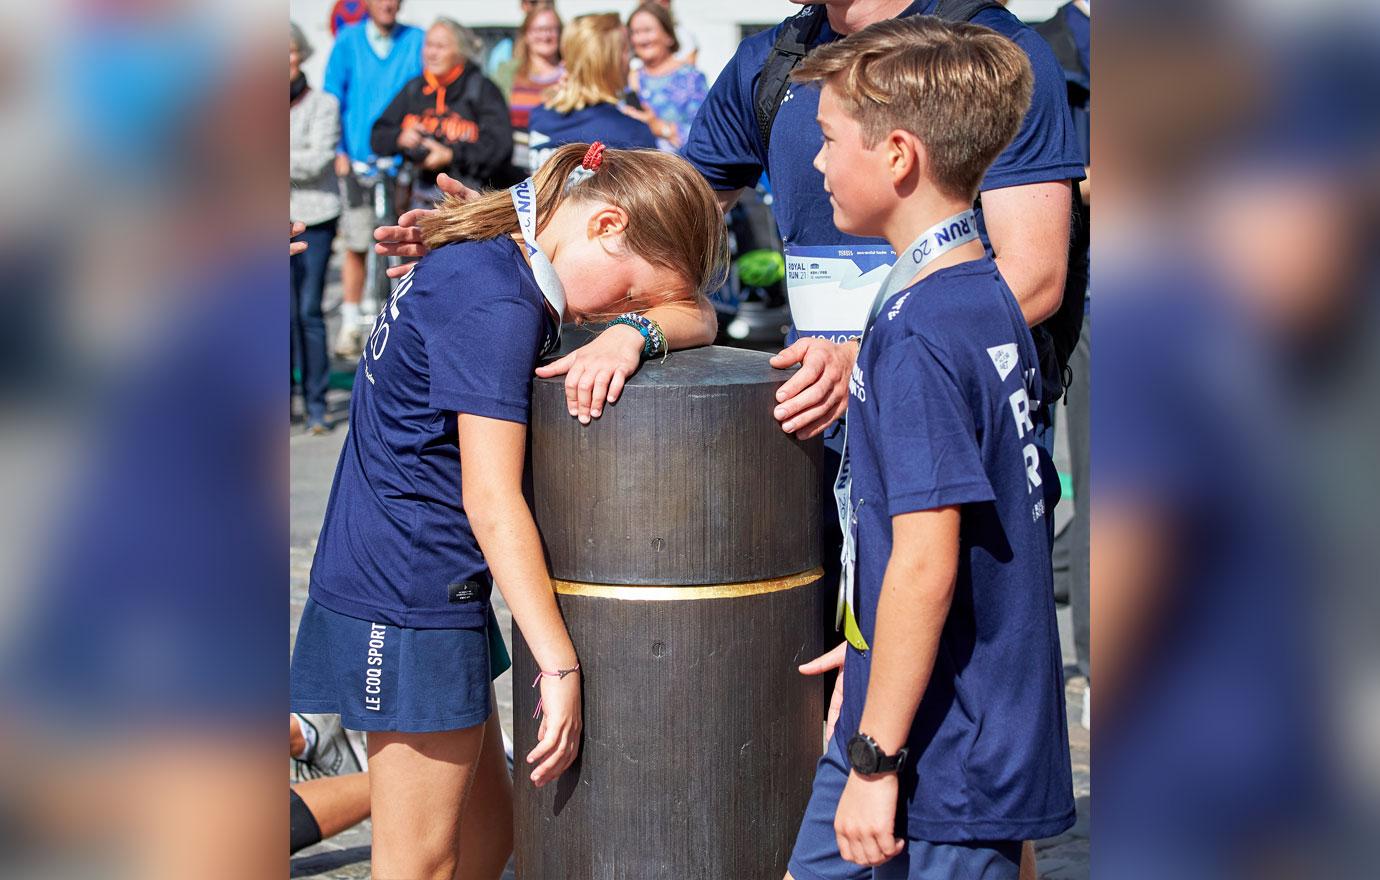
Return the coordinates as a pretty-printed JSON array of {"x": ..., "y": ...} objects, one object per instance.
[{"x": 1003, "y": 358}]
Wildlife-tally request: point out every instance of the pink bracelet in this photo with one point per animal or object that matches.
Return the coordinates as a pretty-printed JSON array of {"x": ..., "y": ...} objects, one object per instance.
[{"x": 559, "y": 673}]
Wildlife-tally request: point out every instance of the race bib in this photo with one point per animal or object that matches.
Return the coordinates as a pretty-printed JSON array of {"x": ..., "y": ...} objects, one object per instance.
[{"x": 831, "y": 287}]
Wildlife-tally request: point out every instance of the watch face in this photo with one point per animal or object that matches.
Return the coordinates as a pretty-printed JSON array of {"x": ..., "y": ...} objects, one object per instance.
[{"x": 861, "y": 755}]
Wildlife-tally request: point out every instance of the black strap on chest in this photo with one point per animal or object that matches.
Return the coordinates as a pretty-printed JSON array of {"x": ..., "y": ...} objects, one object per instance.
[{"x": 796, "y": 39}]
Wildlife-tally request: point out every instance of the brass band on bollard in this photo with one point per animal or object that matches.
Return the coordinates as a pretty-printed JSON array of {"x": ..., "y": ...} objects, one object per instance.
[{"x": 636, "y": 593}]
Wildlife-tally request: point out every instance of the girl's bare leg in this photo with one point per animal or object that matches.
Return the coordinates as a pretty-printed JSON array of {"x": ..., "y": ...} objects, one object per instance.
[
  {"x": 486, "y": 829},
  {"x": 418, "y": 785}
]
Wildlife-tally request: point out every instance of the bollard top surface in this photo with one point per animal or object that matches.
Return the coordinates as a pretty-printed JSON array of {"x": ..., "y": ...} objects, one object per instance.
[{"x": 711, "y": 365}]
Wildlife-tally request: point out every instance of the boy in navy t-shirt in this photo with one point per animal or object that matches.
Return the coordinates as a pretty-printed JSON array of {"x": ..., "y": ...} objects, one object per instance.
[{"x": 951, "y": 746}]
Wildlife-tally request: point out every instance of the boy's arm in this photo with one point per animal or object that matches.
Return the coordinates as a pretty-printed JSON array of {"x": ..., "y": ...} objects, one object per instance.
[{"x": 916, "y": 591}]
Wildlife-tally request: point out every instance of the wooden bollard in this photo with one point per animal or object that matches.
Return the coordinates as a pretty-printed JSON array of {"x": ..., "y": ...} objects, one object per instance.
[{"x": 682, "y": 533}]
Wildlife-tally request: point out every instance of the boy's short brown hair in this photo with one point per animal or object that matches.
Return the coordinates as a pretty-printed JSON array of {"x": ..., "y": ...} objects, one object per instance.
[{"x": 962, "y": 89}]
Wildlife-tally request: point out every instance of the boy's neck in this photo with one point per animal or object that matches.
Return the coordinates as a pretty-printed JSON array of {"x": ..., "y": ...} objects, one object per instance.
[{"x": 918, "y": 212}]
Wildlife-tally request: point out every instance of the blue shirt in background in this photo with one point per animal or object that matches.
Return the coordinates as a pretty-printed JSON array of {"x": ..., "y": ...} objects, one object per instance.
[
  {"x": 725, "y": 147},
  {"x": 366, "y": 84},
  {"x": 461, "y": 333},
  {"x": 940, "y": 413},
  {"x": 548, "y": 130},
  {"x": 1080, "y": 26}
]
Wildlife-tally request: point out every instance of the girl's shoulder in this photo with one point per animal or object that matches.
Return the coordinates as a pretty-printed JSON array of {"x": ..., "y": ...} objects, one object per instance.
[{"x": 476, "y": 271}]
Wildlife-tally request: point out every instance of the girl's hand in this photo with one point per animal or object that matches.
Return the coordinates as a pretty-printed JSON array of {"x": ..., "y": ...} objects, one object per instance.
[
  {"x": 596, "y": 372},
  {"x": 405, "y": 239},
  {"x": 559, "y": 733}
]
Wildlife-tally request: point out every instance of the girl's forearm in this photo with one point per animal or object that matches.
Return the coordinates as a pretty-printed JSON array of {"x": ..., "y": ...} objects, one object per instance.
[
  {"x": 687, "y": 324},
  {"x": 510, "y": 543}
]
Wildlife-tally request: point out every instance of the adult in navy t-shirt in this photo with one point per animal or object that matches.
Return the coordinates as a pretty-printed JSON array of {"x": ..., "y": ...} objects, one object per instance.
[
  {"x": 941, "y": 413},
  {"x": 725, "y": 147},
  {"x": 549, "y": 130},
  {"x": 461, "y": 333}
]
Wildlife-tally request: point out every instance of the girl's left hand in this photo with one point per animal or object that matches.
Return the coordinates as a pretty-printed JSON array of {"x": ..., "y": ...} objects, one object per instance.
[{"x": 596, "y": 372}]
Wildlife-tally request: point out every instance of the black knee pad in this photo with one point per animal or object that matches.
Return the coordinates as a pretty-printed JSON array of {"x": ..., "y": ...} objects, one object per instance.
[{"x": 305, "y": 831}]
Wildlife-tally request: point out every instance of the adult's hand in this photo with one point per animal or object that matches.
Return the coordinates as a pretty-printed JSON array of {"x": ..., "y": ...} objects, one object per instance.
[
  {"x": 405, "y": 239},
  {"x": 595, "y": 372},
  {"x": 409, "y": 138},
  {"x": 296, "y": 228},
  {"x": 438, "y": 155},
  {"x": 817, "y": 395},
  {"x": 820, "y": 665},
  {"x": 342, "y": 165}
]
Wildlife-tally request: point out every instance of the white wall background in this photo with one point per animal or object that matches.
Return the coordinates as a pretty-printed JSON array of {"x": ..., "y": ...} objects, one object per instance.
[{"x": 714, "y": 22}]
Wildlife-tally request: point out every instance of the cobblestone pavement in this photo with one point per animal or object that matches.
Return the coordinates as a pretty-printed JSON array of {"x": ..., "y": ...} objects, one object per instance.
[{"x": 346, "y": 856}]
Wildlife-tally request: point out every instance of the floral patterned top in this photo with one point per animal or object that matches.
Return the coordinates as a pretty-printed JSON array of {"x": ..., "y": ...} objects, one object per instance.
[{"x": 674, "y": 97}]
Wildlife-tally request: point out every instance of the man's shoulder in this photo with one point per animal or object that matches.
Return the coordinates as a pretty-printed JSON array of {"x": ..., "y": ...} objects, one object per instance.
[
  {"x": 1004, "y": 22},
  {"x": 408, "y": 33},
  {"x": 348, "y": 36},
  {"x": 753, "y": 50}
]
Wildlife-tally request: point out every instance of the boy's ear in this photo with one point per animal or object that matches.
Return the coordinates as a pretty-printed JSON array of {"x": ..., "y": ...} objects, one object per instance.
[
  {"x": 608, "y": 220},
  {"x": 905, "y": 155}
]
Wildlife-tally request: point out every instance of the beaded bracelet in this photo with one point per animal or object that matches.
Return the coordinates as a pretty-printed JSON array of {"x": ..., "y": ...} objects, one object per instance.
[{"x": 653, "y": 337}]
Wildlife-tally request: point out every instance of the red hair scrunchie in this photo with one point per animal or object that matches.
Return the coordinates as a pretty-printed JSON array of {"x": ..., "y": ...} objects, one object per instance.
[{"x": 594, "y": 156}]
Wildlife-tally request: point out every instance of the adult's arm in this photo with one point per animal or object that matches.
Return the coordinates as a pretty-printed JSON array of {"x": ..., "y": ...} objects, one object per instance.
[
  {"x": 507, "y": 535},
  {"x": 383, "y": 137},
  {"x": 493, "y": 148},
  {"x": 310, "y": 159},
  {"x": 1028, "y": 227},
  {"x": 337, "y": 81}
]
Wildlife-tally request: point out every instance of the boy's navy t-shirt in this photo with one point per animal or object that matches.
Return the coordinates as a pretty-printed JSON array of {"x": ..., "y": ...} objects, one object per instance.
[
  {"x": 940, "y": 413},
  {"x": 725, "y": 147},
  {"x": 548, "y": 130},
  {"x": 461, "y": 333}
]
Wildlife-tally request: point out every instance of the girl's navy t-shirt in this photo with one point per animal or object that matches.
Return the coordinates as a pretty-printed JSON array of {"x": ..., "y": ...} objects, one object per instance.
[
  {"x": 941, "y": 412},
  {"x": 548, "y": 130},
  {"x": 461, "y": 333}
]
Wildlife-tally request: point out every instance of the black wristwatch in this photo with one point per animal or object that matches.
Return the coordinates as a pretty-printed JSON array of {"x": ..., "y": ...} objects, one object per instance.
[{"x": 868, "y": 758}]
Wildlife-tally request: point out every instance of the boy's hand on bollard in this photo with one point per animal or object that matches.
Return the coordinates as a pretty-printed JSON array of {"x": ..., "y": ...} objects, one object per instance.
[
  {"x": 815, "y": 397},
  {"x": 865, "y": 823},
  {"x": 559, "y": 734},
  {"x": 595, "y": 372},
  {"x": 405, "y": 239},
  {"x": 820, "y": 665}
]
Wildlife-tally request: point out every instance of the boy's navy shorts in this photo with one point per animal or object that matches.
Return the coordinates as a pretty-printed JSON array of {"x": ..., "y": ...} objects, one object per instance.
[
  {"x": 816, "y": 855},
  {"x": 381, "y": 677}
]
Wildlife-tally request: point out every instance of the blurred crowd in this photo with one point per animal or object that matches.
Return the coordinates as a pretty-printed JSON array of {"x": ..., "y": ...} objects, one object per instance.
[
  {"x": 401, "y": 105},
  {"x": 1234, "y": 437}
]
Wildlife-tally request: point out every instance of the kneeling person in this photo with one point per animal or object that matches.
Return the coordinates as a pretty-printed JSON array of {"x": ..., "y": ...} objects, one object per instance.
[{"x": 952, "y": 745}]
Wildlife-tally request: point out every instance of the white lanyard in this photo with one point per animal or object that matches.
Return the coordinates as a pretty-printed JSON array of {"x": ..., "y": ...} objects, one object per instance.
[
  {"x": 525, "y": 203},
  {"x": 933, "y": 243}
]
